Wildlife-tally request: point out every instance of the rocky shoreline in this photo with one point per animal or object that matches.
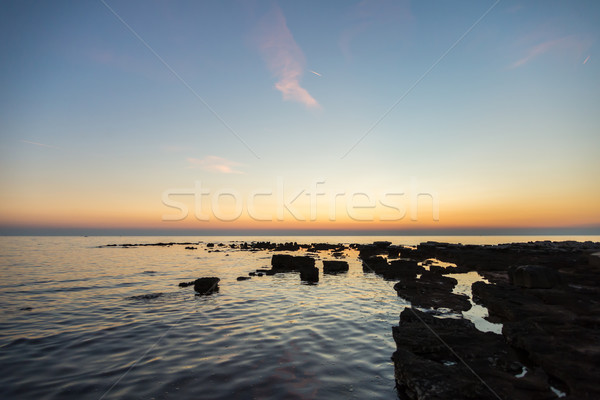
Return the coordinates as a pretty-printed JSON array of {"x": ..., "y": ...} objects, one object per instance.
[{"x": 545, "y": 294}]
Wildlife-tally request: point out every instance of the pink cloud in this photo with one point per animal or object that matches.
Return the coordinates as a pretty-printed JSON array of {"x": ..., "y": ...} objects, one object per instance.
[
  {"x": 283, "y": 57},
  {"x": 214, "y": 164},
  {"x": 555, "y": 45}
]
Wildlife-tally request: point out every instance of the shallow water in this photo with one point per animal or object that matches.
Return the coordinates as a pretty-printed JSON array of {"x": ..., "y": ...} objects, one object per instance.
[{"x": 69, "y": 328}]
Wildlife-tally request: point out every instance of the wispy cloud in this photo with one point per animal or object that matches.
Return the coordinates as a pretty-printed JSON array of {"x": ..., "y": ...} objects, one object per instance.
[
  {"x": 554, "y": 45},
  {"x": 283, "y": 57},
  {"x": 41, "y": 144},
  {"x": 215, "y": 164},
  {"x": 316, "y": 73},
  {"x": 586, "y": 60}
]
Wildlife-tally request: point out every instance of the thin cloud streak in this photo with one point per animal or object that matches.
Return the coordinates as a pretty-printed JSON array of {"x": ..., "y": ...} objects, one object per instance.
[
  {"x": 215, "y": 164},
  {"x": 564, "y": 43},
  {"x": 283, "y": 57},
  {"x": 41, "y": 144},
  {"x": 316, "y": 73}
]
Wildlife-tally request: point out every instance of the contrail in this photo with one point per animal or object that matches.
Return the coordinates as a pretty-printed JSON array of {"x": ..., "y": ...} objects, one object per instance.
[
  {"x": 316, "y": 73},
  {"x": 586, "y": 60},
  {"x": 41, "y": 144}
]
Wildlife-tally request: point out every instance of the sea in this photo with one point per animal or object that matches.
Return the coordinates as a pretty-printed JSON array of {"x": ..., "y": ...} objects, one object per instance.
[{"x": 82, "y": 321}]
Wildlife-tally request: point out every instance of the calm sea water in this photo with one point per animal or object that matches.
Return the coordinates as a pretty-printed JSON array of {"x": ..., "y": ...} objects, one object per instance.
[{"x": 69, "y": 328}]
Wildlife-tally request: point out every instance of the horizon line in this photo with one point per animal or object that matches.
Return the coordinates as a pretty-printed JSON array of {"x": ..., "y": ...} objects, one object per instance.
[{"x": 492, "y": 231}]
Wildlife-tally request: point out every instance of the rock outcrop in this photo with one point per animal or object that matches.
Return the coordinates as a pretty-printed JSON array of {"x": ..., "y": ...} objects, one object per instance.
[
  {"x": 334, "y": 266},
  {"x": 445, "y": 358}
]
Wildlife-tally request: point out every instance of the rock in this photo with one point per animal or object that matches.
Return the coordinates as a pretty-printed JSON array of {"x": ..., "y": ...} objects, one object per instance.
[
  {"x": 558, "y": 329},
  {"x": 369, "y": 250},
  {"x": 404, "y": 268},
  {"x": 594, "y": 259},
  {"x": 332, "y": 267},
  {"x": 314, "y": 247},
  {"x": 243, "y": 278},
  {"x": 260, "y": 274},
  {"x": 382, "y": 244},
  {"x": 206, "y": 285},
  {"x": 210, "y": 245},
  {"x": 150, "y": 296},
  {"x": 286, "y": 262},
  {"x": 186, "y": 284},
  {"x": 425, "y": 368},
  {"x": 533, "y": 276},
  {"x": 252, "y": 273},
  {"x": 432, "y": 291},
  {"x": 393, "y": 251},
  {"x": 309, "y": 274},
  {"x": 374, "y": 264}
]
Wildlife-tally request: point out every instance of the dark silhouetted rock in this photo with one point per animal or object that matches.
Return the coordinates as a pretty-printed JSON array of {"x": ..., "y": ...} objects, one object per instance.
[
  {"x": 286, "y": 262},
  {"x": 210, "y": 245},
  {"x": 393, "y": 251},
  {"x": 533, "y": 276},
  {"x": 369, "y": 250},
  {"x": 374, "y": 264},
  {"x": 206, "y": 285},
  {"x": 243, "y": 278},
  {"x": 405, "y": 268},
  {"x": 259, "y": 274},
  {"x": 432, "y": 291},
  {"x": 190, "y": 248},
  {"x": 252, "y": 273},
  {"x": 425, "y": 368},
  {"x": 309, "y": 274},
  {"x": 332, "y": 267},
  {"x": 558, "y": 329},
  {"x": 382, "y": 244}
]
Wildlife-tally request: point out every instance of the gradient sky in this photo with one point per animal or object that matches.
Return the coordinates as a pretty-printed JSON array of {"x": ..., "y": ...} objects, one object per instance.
[{"x": 105, "y": 107}]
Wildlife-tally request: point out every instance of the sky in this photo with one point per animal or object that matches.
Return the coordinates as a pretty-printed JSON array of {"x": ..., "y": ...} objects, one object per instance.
[{"x": 240, "y": 116}]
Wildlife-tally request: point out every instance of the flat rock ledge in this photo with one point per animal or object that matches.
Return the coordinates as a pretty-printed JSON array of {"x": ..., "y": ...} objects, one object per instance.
[
  {"x": 546, "y": 295},
  {"x": 432, "y": 290},
  {"x": 426, "y": 369}
]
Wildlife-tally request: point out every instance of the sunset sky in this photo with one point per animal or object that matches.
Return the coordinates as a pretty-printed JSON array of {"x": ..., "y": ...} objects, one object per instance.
[{"x": 116, "y": 116}]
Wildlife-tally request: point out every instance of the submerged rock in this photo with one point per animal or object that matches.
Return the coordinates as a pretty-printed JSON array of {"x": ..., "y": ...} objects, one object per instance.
[
  {"x": 332, "y": 267},
  {"x": 149, "y": 296},
  {"x": 243, "y": 278}
]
